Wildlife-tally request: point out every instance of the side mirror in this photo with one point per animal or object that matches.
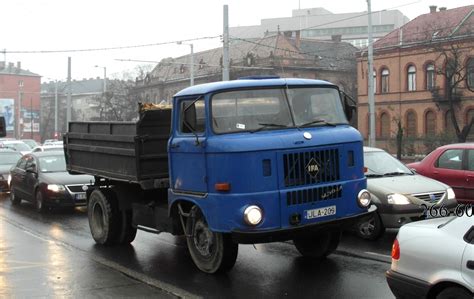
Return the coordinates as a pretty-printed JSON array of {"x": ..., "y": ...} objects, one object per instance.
[
  {"x": 349, "y": 107},
  {"x": 31, "y": 168}
]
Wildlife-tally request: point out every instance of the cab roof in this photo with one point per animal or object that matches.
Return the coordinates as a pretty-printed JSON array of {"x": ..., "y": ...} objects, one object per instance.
[{"x": 243, "y": 83}]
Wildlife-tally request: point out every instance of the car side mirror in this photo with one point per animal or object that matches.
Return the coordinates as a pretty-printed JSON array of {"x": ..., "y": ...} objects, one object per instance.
[
  {"x": 31, "y": 168},
  {"x": 349, "y": 106}
]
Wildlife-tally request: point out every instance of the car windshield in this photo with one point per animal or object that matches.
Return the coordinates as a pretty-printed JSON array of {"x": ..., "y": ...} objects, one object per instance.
[
  {"x": 30, "y": 142},
  {"x": 9, "y": 158},
  {"x": 380, "y": 163},
  {"x": 52, "y": 164},
  {"x": 266, "y": 109},
  {"x": 18, "y": 146}
]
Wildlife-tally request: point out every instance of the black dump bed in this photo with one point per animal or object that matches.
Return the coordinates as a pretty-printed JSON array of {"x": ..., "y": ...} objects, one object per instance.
[{"x": 125, "y": 151}]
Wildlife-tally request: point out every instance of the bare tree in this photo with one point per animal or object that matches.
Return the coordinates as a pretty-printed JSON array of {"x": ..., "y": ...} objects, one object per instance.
[
  {"x": 451, "y": 67},
  {"x": 116, "y": 104}
]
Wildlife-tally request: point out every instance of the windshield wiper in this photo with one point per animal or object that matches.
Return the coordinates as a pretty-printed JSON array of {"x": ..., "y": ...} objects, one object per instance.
[
  {"x": 318, "y": 121},
  {"x": 374, "y": 175},
  {"x": 263, "y": 126},
  {"x": 395, "y": 173}
]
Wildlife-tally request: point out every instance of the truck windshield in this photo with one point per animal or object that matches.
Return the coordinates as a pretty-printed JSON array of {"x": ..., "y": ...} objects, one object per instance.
[{"x": 270, "y": 109}]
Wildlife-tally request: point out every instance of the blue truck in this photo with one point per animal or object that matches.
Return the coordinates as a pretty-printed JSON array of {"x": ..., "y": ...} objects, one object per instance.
[{"x": 244, "y": 161}]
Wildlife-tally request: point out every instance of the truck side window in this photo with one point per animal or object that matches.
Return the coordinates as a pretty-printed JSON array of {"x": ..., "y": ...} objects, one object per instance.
[{"x": 193, "y": 117}]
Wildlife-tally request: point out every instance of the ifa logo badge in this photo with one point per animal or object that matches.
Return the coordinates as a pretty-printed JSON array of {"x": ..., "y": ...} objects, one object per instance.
[{"x": 312, "y": 168}]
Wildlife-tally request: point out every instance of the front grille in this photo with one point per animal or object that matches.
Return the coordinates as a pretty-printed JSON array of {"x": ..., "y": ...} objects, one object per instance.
[
  {"x": 312, "y": 167},
  {"x": 430, "y": 197},
  {"x": 313, "y": 195},
  {"x": 76, "y": 188}
]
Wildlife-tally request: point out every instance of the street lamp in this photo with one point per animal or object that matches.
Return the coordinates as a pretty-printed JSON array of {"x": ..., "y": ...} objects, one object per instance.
[
  {"x": 105, "y": 77},
  {"x": 191, "y": 63}
]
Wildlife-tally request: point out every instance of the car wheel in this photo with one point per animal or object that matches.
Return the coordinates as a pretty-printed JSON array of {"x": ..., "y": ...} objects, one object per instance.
[
  {"x": 127, "y": 231},
  {"x": 39, "y": 202},
  {"x": 211, "y": 251},
  {"x": 318, "y": 246},
  {"x": 454, "y": 293},
  {"x": 104, "y": 217},
  {"x": 13, "y": 197},
  {"x": 370, "y": 228}
]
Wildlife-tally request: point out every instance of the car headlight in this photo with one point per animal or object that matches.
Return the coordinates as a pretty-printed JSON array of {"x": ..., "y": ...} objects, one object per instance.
[
  {"x": 364, "y": 198},
  {"x": 450, "y": 193},
  {"x": 56, "y": 188},
  {"x": 398, "y": 199},
  {"x": 253, "y": 215}
]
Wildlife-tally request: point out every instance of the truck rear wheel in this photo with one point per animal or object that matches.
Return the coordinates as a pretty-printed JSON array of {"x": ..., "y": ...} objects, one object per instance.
[
  {"x": 318, "y": 246},
  {"x": 211, "y": 252},
  {"x": 104, "y": 217},
  {"x": 127, "y": 231}
]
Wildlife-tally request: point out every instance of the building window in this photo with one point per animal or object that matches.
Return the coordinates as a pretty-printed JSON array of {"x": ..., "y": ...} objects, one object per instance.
[
  {"x": 385, "y": 125},
  {"x": 430, "y": 123},
  {"x": 470, "y": 74},
  {"x": 411, "y": 124},
  {"x": 385, "y": 74},
  {"x": 411, "y": 78},
  {"x": 469, "y": 116},
  {"x": 448, "y": 124},
  {"x": 430, "y": 77}
]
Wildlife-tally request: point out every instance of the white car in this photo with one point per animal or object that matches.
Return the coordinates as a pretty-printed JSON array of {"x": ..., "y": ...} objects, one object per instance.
[
  {"x": 16, "y": 145},
  {"x": 434, "y": 258},
  {"x": 47, "y": 148}
]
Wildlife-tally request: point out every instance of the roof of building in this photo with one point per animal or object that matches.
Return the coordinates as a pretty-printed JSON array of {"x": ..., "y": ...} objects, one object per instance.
[
  {"x": 325, "y": 55},
  {"x": 433, "y": 26},
  {"x": 11, "y": 69},
  {"x": 84, "y": 86}
]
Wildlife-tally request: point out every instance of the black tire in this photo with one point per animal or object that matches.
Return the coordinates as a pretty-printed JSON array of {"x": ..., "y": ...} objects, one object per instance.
[
  {"x": 318, "y": 246},
  {"x": 13, "y": 197},
  {"x": 370, "y": 228},
  {"x": 211, "y": 252},
  {"x": 454, "y": 293},
  {"x": 104, "y": 217},
  {"x": 40, "y": 206},
  {"x": 127, "y": 232}
]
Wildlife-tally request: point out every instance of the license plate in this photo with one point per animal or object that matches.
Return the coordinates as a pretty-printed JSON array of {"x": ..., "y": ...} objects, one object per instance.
[
  {"x": 321, "y": 212},
  {"x": 80, "y": 196}
]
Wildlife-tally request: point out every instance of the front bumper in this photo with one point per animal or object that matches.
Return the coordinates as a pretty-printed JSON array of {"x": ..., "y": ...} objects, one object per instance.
[
  {"x": 253, "y": 237},
  {"x": 394, "y": 216},
  {"x": 63, "y": 199},
  {"x": 403, "y": 286}
]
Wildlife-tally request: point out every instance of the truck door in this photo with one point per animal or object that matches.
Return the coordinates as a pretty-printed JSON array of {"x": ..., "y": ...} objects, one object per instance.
[{"x": 187, "y": 146}]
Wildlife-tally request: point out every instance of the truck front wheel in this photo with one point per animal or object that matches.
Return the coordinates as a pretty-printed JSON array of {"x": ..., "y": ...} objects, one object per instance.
[
  {"x": 211, "y": 252},
  {"x": 104, "y": 217},
  {"x": 318, "y": 246}
]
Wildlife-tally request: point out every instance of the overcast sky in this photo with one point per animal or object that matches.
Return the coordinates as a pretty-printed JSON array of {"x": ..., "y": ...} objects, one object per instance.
[{"x": 43, "y": 25}]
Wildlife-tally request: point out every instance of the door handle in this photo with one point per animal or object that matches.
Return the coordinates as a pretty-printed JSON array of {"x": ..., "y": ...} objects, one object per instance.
[
  {"x": 470, "y": 265},
  {"x": 436, "y": 172},
  {"x": 174, "y": 145}
]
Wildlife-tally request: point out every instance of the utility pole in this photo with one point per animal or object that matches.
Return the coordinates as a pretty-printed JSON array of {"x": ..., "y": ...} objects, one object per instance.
[
  {"x": 69, "y": 93},
  {"x": 225, "y": 54},
  {"x": 56, "y": 109},
  {"x": 20, "y": 98},
  {"x": 191, "y": 67},
  {"x": 370, "y": 78},
  {"x": 31, "y": 117}
]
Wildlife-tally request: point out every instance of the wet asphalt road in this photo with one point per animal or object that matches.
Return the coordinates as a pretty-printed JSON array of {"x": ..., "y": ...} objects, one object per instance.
[{"x": 53, "y": 255}]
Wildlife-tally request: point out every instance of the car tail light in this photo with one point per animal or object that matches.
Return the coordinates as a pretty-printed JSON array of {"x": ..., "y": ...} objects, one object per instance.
[{"x": 396, "y": 250}]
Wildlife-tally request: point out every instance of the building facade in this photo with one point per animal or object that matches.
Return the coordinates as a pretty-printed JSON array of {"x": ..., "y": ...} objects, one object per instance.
[
  {"x": 411, "y": 75},
  {"x": 284, "y": 54},
  {"x": 20, "y": 101},
  {"x": 319, "y": 23}
]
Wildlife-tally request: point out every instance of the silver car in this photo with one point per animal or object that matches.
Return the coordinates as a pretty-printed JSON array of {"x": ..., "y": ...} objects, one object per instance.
[
  {"x": 401, "y": 196},
  {"x": 434, "y": 258}
]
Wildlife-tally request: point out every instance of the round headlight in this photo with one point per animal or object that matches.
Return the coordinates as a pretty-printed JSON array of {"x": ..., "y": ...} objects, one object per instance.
[
  {"x": 253, "y": 215},
  {"x": 363, "y": 198}
]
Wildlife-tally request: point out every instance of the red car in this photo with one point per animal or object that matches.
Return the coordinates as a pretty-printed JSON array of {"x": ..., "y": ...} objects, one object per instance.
[{"x": 453, "y": 165}]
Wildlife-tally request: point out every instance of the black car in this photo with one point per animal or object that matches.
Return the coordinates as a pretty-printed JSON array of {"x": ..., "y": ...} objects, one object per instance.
[
  {"x": 8, "y": 158},
  {"x": 42, "y": 179}
]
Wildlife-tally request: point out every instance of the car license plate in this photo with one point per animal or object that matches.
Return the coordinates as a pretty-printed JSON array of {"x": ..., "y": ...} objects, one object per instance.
[
  {"x": 321, "y": 212},
  {"x": 80, "y": 196}
]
